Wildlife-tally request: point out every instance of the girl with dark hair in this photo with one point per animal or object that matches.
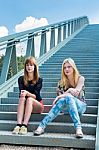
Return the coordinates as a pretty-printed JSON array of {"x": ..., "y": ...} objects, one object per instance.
[{"x": 30, "y": 100}]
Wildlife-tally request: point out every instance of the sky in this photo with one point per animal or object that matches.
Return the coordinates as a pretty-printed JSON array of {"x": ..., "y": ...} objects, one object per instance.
[{"x": 20, "y": 15}]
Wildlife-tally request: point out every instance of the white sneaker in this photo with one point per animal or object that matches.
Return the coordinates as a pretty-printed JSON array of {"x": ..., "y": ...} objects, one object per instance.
[
  {"x": 23, "y": 130},
  {"x": 16, "y": 130},
  {"x": 39, "y": 131},
  {"x": 79, "y": 133}
]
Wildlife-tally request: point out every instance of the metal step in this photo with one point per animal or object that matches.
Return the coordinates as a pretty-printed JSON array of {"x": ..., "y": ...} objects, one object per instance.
[
  {"x": 53, "y": 94},
  {"x": 13, "y": 108},
  {"x": 56, "y": 79},
  {"x": 53, "y": 89},
  {"x": 48, "y": 139},
  {"x": 47, "y": 101},
  {"x": 53, "y": 127},
  {"x": 43, "y": 75},
  {"x": 85, "y": 118}
]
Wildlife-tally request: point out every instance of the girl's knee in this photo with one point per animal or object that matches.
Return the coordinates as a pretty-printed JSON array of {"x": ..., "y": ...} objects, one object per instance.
[
  {"x": 82, "y": 109},
  {"x": 29, "y": 100},
  {"x": 22, "y": 99},
  {"x": 61, "y": 100},
  {"x": 69, "y": 98}
]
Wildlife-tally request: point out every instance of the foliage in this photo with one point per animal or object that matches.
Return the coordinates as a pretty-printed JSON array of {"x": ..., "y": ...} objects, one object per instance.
[{"x": 20, "y": 61}]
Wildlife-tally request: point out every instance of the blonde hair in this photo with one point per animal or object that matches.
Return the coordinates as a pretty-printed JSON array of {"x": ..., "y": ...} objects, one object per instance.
[
  {"x": 32, "y": 61},
  {"x": 64, "y": 80}
]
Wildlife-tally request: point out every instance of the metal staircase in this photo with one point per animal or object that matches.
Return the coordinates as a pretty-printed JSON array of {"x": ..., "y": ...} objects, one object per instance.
[{"x": 84, "y": 49}]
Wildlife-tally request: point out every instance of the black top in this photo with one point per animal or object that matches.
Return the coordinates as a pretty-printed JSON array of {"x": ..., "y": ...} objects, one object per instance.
[{"x": 32, "y": 88}]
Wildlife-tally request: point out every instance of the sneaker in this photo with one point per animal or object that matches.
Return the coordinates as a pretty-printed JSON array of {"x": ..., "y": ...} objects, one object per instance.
[
  {"x": 16, "y": 130},
  {"x": 39, "y": 131},
  {"x": 79, "y": 133},
  {"x": 23, "y": 130}
]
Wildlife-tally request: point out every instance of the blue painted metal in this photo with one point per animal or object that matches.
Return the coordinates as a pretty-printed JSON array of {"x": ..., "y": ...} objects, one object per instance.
[
  {"x": 52, "y": 38},
  {"x": 75, "y": 25},
  {"x": 10, "y": 42},
  {"x": 30, "y": 46},
  {"x": 59, "y": 35},
  {"x": 64, "y": 31},
  {"x": 7, "y": 64},
  {"x": 72, "y": 27},
  {"x": 69, "y": 29},
  {"x": 13, "y": 62},
  {"x": 23, "y": 34},
  {"x": 43, "y": 48}
]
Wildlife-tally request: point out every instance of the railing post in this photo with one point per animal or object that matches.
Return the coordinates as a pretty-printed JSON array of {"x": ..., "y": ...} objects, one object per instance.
[
  {"x": 68, "y": 28},
  {"x": 75, "y": 25},
  {"x": 59, "y": 35},
  {"x": 30, "y": 51},
  {"x": 13, "y": 62},
  {"x": 52, "y": 38},
  {"x": 64, "y": 31},
  {"x": 72, "y": 27},
  {"x": 43, "y": 48},
  {"x": 9, "y": 62}
]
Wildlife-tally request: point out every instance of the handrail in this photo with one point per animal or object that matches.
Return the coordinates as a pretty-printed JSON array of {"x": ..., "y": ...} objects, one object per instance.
[
  {"x": 58, "y": 33},
  {"x": 10, "y": 37},
  {"x": 9, "y": 84}
]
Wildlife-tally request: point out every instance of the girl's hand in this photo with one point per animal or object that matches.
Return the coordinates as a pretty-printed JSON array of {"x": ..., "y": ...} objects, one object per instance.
[
  {"x": 74, "y": 92},
  {"x": 23, "y": 93},
  {"x": 56, "y": 99}
]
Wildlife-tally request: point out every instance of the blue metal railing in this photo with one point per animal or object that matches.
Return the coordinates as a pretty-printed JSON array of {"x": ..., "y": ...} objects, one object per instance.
[{"x": 35, "y": 42}]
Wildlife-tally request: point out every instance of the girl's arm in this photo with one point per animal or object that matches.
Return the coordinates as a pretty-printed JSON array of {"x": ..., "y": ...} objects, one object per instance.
[
  {"x": 75, "y": 91},
  {"x": 80, "y": 83},
  {"x": 21, "y": 83},
  {"x": 60, "y": 96},
  {"x": 38, "y": 86},
  {"x": 31, "y": 95}
]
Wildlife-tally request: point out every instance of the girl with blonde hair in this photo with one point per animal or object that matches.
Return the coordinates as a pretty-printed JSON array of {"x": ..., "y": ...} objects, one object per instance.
[
  {"x": 71, "y": 96},
  {"x": 30, "y": 100}
]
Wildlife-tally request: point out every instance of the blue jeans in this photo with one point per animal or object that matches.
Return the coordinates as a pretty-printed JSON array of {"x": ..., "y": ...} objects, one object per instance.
[{"x": 70, "y": 104}]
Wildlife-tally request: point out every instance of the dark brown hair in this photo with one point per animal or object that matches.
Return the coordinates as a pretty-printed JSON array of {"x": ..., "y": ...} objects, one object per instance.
[{"x": 31, "y": 61}]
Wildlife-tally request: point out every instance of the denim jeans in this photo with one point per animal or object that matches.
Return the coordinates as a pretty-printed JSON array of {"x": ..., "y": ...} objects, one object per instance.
[{"x": 69, "y": 104}]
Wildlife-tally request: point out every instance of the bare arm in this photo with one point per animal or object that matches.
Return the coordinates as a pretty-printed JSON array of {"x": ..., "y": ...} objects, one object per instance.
[
  {"x": 60, "y": 96},
  {"x": 26, "y": 93},
  {"x": 80, "y": 83},
  {"x": 73, "y": 91}
]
